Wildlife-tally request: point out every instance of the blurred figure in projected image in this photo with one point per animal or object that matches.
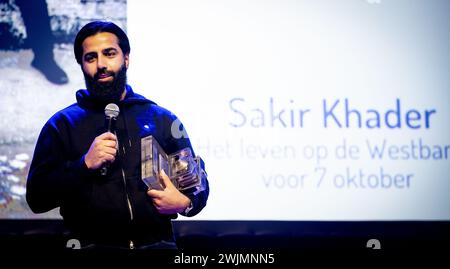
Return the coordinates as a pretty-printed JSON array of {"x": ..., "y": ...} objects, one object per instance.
[
  {"x": 113, "y": 209},
  {"x": 40, "y": 38}
]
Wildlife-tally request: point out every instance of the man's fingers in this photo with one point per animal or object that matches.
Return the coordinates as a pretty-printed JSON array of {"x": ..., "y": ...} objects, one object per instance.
[
  {"x": 157, "y": 203},
  {"x": 109, "y": 143},
  {"x": 166, "y": 180},
  {"x": 109, "y": 157},
  {"x": 154, "y": 193},
  {"x": 103, "y": 149},
  {"x": 110, "y": 151},
  {"x": 107, "y": 136}
]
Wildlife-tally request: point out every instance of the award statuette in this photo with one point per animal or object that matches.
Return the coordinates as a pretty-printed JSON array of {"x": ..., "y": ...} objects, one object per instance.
[{"x": 186, "y": 172}]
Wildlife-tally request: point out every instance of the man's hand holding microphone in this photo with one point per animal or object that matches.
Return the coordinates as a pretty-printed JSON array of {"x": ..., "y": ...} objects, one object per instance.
[{"x": 103, "y": 150}]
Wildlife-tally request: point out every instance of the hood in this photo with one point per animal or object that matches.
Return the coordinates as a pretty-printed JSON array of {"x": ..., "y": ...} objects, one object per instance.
[{"x": 85, "y": 99}]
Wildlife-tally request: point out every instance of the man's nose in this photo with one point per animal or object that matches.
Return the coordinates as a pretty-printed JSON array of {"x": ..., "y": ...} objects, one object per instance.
[{"x": 101, "y": 63}]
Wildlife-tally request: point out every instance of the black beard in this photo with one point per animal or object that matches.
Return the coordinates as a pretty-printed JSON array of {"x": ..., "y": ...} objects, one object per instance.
[{"x": 107, "y": 92}]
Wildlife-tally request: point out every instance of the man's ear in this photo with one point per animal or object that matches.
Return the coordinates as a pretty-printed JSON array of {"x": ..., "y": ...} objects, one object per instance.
[{"x": 127, "y": 60}]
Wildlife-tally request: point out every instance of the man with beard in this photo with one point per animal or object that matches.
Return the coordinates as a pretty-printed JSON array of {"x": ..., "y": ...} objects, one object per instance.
[{"x": 115, "y": 209}]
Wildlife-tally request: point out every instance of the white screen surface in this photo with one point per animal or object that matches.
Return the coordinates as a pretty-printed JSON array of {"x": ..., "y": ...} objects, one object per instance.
[{"x": 305, "y": 110}]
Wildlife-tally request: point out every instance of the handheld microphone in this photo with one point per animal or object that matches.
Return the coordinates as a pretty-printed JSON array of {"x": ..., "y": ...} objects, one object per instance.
[{"x": 111, "y": 113}]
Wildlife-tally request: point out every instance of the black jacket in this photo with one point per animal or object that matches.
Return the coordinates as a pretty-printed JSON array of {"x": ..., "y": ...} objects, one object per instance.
[{"x": 95, "y": 208}]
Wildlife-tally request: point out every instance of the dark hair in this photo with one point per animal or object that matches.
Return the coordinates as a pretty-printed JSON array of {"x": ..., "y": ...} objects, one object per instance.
[{"x": 96, "y": 27}]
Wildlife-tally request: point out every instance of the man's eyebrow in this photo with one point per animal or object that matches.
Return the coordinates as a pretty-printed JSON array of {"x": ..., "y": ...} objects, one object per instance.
[
  {"x": 92, "y": 53},
  {"x": 109, "y": 50}
]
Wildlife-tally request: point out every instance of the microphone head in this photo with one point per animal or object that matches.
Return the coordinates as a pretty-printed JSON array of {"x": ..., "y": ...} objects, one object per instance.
[{"x": 112, "y": 110}]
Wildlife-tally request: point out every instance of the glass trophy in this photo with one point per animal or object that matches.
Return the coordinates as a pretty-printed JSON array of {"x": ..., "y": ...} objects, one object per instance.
[{"x": 186, "y": 172}]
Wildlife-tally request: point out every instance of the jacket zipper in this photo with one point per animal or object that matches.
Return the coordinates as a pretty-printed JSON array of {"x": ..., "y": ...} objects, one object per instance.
[
  {"x": 125, "y": 180},
  {"x": 125, "y": 186},
  {"x": 126, "y": 194},
  {"x": 128, "y": 202}
]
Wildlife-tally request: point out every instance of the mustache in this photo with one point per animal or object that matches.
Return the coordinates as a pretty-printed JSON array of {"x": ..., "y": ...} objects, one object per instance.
[{"x": 101, "y": 72}]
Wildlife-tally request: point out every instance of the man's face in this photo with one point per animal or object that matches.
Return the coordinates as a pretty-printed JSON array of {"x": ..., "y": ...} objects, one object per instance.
[{"x": 104, "y": 67}]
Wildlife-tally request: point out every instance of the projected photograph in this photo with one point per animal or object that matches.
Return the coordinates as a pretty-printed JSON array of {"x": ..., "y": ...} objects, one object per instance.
[{"x": 39, "y": 76}]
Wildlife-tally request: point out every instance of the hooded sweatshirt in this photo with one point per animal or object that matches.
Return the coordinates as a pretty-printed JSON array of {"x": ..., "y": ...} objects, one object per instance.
[{"x": 113, "y": 209}]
